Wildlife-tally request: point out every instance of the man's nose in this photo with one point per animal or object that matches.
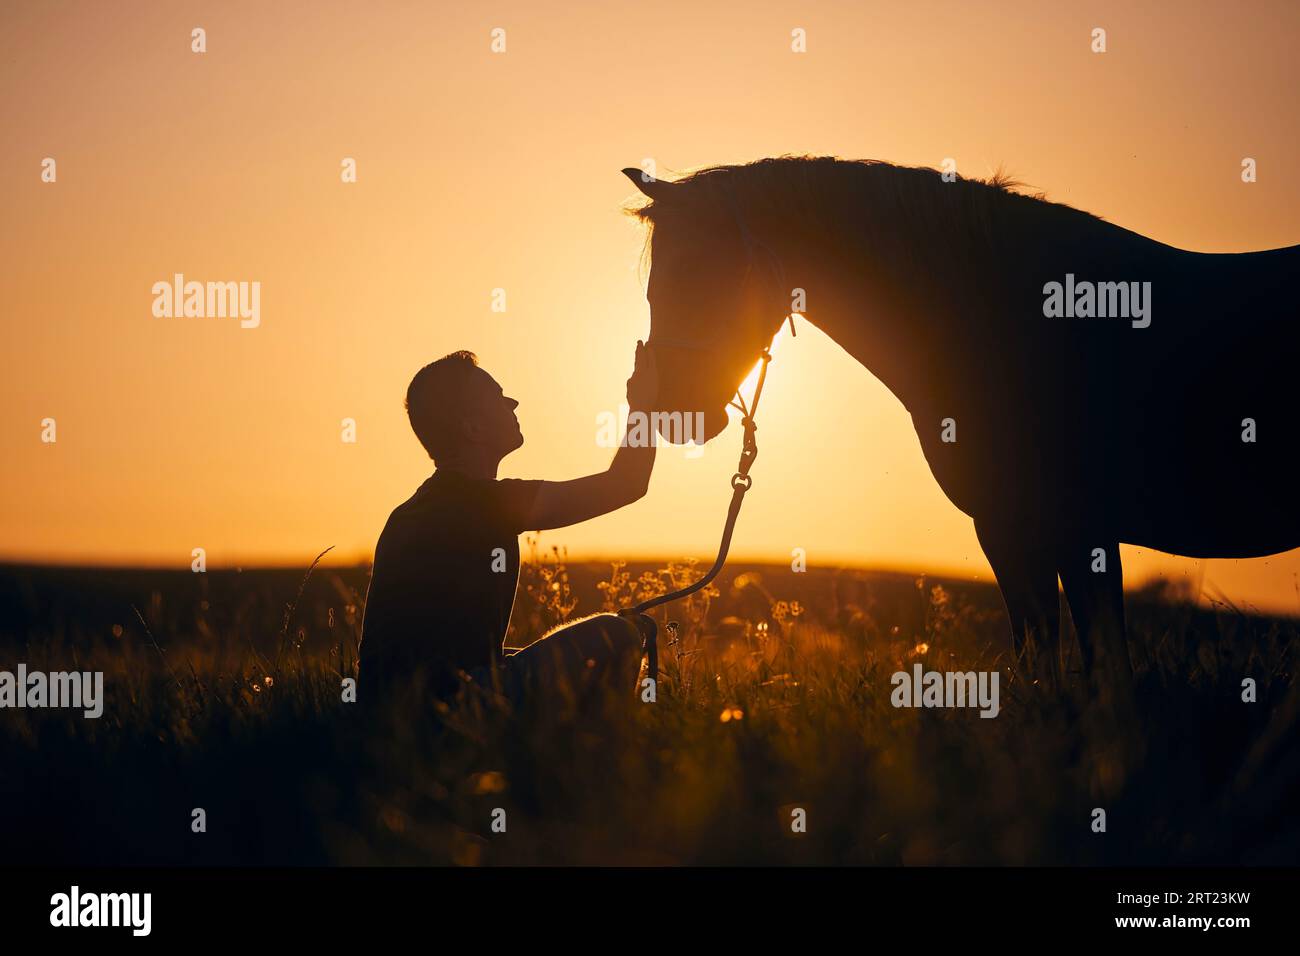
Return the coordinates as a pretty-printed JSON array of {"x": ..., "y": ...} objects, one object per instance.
[{"x": 514, "y": 403}]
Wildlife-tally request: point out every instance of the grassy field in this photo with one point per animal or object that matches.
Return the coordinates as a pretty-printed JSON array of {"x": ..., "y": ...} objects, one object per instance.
[{"x": 223, "y": 693}]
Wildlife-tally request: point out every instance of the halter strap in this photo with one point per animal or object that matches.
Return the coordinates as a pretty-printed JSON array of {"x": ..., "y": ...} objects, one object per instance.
[
  {"x": 753, "y": 249},
  {"x": 753, "y": 246}
]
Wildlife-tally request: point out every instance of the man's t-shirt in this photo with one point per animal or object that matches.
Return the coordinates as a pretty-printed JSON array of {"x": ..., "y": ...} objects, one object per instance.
[{"x": 445, "y": 572}]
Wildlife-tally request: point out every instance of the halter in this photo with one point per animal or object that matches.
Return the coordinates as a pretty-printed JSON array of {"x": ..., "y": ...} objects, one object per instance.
[
  {"x": 753, "y": 249},
  {"x": 741, "y": 481}
]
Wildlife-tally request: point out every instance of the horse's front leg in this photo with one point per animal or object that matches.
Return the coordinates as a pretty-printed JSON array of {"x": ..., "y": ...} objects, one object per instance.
[
  {"x": 1094, "y": 587},
  {"x": 1093, "y": 579},
  {"x": 1025, "y": 566}
]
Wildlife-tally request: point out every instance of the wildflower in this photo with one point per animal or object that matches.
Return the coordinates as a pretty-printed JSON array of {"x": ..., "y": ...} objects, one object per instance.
[
  {"x": 393, "y": 818},
  {"x": 489, "y": 782}
]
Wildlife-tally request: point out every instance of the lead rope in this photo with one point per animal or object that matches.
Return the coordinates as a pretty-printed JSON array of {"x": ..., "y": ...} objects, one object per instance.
[{"x": 741, "y": 482}]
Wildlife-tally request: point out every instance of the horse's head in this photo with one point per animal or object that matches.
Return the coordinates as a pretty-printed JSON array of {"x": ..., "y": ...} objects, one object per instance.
[{"x": 715, "y": 301}]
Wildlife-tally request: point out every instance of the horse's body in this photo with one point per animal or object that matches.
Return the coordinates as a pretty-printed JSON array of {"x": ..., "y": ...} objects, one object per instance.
[{"x": 1065, "y": 435}]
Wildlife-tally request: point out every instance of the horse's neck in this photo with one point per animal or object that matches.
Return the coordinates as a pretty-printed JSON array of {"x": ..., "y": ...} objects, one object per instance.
[
  {"x": 877, "y": 317},
  {"x": 919, "y": 315}
]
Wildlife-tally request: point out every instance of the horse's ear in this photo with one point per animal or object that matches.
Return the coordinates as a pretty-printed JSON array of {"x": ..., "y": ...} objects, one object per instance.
[{"x": 656, "y": 189}]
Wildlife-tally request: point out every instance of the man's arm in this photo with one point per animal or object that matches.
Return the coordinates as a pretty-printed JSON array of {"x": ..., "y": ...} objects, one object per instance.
[{"x": 561, "y": 503}]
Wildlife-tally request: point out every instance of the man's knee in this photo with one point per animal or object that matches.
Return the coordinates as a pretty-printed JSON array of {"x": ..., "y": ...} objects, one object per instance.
[
  {"x": 605, "y": 635},
  {"x": 600, "y": 643}
]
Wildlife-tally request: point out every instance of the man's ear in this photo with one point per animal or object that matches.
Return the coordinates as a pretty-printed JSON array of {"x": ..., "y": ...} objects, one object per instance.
[
  {"x": 656, "y": 189},
  {"x": 470, "y": 431}
]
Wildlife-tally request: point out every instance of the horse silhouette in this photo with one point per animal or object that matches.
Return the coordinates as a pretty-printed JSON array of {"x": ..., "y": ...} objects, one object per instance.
[{"x": 1165, "y": 421}]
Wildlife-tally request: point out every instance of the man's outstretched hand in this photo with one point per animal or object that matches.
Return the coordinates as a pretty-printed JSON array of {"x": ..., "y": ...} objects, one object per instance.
[
  {"x": 562, "y": 503},
  {"x": 643, "y": 386}
]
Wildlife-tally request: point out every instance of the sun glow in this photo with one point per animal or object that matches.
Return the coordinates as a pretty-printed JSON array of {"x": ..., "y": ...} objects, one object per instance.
[{"x": 751, "y": 379}]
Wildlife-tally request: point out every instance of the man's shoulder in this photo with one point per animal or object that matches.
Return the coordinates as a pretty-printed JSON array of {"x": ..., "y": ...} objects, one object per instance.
[
  {"x": 504, "y": 496},
  {"x": 453, "y": 498}
]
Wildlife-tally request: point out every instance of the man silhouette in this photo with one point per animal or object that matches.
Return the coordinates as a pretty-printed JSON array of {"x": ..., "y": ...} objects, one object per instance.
[{"x": 447, "y": 563}]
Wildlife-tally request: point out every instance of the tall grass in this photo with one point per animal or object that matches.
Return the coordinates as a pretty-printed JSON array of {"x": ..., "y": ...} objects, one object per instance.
[{"x": 224, "y": 692}]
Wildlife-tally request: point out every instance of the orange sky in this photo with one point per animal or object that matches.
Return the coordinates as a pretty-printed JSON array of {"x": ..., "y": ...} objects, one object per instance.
[{"x": 479, "y": 170}]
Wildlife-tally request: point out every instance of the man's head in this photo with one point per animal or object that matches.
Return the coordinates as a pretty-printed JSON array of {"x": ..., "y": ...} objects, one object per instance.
[{"x": 458, "y": 410}]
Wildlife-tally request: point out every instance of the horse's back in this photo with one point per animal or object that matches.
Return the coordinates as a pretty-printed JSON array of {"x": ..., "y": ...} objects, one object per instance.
[{"x": 1177, "y": 435}]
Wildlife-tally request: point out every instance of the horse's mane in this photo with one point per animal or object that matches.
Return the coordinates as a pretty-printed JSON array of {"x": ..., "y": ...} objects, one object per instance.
[{"x": 825, "y": 194}]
